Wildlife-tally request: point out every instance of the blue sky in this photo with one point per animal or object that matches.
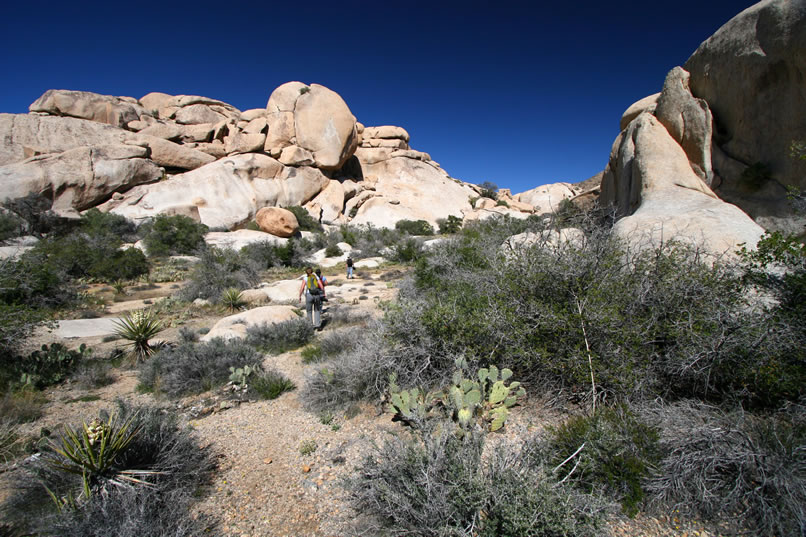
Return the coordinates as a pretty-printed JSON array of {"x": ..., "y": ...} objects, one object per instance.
[{"x": 517, "y": 93}]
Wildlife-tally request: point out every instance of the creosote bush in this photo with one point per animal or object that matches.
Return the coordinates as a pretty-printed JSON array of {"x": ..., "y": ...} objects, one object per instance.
[
  {"x": 270, "y": 384},
  {"x": 414, "y": 227}
]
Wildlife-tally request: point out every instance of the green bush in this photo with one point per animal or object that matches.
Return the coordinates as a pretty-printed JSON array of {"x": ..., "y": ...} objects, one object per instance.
[
  {"x": 333, "y": 250},
  {"x": 618, "y": 453},
  {"x": 11, "y": 225},
  {"x": 277, "y": 338},
  {"x": 263, "y": 254},
  {"x": 439, "y": 485},
  {"x": 414, "y": 227},
  {"x": 128, "y": 264},
  {"x": 304, "y": 218},
  {"x": 195, "y": 367},
  {"x": 489, "y": 190},
  {"x": 173, "y": 235},
  {"x": 450, "y": 225},
  {"x": 408, "y": 251},
  {"x": 218, "y": 270}
]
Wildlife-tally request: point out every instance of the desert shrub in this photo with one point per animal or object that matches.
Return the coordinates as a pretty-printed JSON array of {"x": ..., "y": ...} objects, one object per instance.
[
  {"x": 17, "y": 322},
  {"x": 750, "y": 469},
  {"x": 369, "y": 241},
  {"x": 170, "y": 270},
  {"x": 262, "y": 254},
  {"x": 438, "y": 484},
  {"x": 304, "y": 218},
  {"x": 94, "y": 222},
  {"x": 93, "y": 374},
  {"x": 332, "y": 344},
  {"x": 218, "y": 270},
  {"x": 489, "y": 190},
  {"x": 11, "y": 443},
  {"x": 127, "y": 264},
  {"x": 414, "y": 227},
  {"x": 11, "y": 225},
  {"x": 333, "y": 250},
  {"x": 618, "y": 452},
  {"x": 501, "y": 203},
  {"x": 567, "y": 214},
  {"x": 277, "y": 338},
  {"x": 232, "y": 299},
  {"x": 407, "y": 251},
  {"x": 195, "y": 367},
  {"x": 23, "y": 405},
  {"x": 295, "y": 252},
  {"x": 450, "y": 225},
  {"x": 270, "y": 384},
  {"x": 178, "y": 469},
  {"x": 173, "y": 235}
]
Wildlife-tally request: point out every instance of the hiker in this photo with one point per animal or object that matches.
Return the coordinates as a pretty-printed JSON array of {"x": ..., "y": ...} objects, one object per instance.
[
  {"x": 323, "y": 280},
  {"x": 349, "y": 267},
  {"x": 313, "y": 290}
]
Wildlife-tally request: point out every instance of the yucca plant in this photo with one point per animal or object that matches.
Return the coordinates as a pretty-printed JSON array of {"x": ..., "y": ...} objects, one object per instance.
[
  {"x": 139, "y": 327},
  {"x": 232, "y": 298},
  {"x": 92, "y": 452},
  {"x": 119, "y": 286}
]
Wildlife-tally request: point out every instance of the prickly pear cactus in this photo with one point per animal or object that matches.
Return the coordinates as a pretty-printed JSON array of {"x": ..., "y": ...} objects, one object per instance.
[{"x": 408, "y": 406}]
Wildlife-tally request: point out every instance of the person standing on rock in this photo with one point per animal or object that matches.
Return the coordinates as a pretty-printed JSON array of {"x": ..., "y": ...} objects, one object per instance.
[
  {"x": 313, "y": 290},
  {"x": 349, "y": 267}
]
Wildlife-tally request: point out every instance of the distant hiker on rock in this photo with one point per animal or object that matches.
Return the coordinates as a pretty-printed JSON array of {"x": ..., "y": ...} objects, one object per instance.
[
  {"x": 314, "y": 290},
  {"x": 349, "y": 267}
]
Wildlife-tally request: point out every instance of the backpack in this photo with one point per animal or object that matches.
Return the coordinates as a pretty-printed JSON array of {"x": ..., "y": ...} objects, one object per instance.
[{"x": 313, "y": 289}]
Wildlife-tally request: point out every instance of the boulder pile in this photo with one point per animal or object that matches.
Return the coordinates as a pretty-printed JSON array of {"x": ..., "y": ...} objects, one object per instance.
[{"x": 205, "y": 159}]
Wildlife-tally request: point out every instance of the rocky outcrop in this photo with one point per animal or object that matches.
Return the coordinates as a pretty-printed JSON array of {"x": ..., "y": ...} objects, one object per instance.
[
  {"x": 117, "y": 111},
  {"x": 224, "y": 194},
  {"x": 651, "y": 183},
  {"x": 688, "y": 120},
  {"x": 78, "y": 178},
  {"x": 235, "y": 326},
  {"x": 751, "y": 72},
  {"x": 277, "y": 221},
  {"x": 313, "y": 118},
  {"x": 647, "y": 104},
  {"x": 546, "y": 199}
]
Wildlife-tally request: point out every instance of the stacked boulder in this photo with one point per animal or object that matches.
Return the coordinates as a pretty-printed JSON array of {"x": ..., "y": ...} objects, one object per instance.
[{"x": 203, "y": 158}]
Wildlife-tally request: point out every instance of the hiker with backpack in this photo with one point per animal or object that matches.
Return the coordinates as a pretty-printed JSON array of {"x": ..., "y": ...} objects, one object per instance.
[
  {"x": 349, "y": 268},
  {"x": 314, "y": 290}
]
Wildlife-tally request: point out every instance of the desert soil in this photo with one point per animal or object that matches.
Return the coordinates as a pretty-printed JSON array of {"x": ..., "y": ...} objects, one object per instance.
[{"x": 265, "y": 485}]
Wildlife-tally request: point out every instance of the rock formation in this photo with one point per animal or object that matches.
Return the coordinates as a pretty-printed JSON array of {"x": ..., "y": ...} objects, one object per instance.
[
  {"x": 203, "y": 158},
  {"x": 751, "y": 73}
]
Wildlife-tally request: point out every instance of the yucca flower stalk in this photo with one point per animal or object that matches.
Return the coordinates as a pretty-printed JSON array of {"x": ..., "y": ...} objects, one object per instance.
[
  {"x": 92, "y": 451},
  {"x": 139, "y": 327}
]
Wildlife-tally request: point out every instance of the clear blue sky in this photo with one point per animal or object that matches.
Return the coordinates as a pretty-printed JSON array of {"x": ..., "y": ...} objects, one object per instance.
[{"x": 517, "y": 93}]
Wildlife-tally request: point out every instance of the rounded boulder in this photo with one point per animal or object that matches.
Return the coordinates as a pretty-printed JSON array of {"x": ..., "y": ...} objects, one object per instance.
[{"x": 277, "y": 221}]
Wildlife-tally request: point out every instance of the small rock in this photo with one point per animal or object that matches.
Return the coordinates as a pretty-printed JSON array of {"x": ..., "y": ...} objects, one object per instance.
[
  {"x": 267, "y": 461},
  {"x": 305, "y": 468}
]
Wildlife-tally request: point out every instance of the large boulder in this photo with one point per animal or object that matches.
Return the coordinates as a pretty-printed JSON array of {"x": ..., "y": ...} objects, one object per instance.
[
  {"x": 409, "y": 189},
  {"x": 235, "y": 326},
  {"x": 27, "y": 135},
  {"x": 107, "y": 109},
  {"x": 331, "y": 202},
  {"x": 751, "y": 73},
  {"x": 226, "y": 193},
  {"x": 651, "y": 184},
  {"x": 78, "y": 178},
  {"x": 546, "y": 198},
  {"x": 235, "y": 240},
  {"x": 277, "y": 221},
  {"x": 313, "y": 118}
]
